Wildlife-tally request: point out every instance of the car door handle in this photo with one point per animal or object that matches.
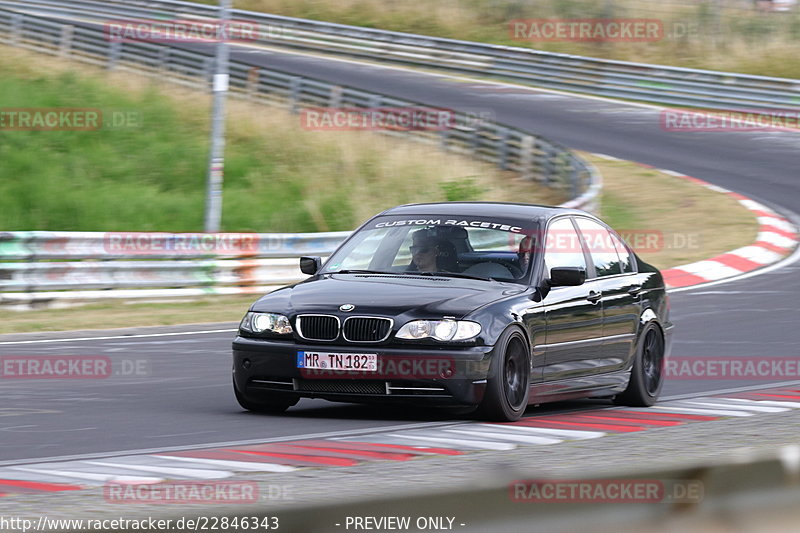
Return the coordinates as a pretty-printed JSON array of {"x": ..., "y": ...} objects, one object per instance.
[
  {"x": 635, "y": 290},
  {"x": 594, "y": 296}
]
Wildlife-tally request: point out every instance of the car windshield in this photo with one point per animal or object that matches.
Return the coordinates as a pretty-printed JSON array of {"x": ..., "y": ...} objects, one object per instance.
[{"x": 449, "y": 246}]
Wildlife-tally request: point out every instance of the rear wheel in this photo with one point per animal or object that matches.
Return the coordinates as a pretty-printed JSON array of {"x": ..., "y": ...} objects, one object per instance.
[
  {"x": 506, "y": 395},
  {"x": 647, "y": 374},
  {"x": 265, "y": 403}
]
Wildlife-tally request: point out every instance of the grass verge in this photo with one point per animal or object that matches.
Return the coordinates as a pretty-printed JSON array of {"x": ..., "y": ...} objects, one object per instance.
[
  {"x": 112, "y": 314},
  {"x": 149, "y": 175}
]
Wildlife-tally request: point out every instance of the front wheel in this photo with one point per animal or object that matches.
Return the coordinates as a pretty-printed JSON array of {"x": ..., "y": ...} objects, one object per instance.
[
  {"x": 647, "y": 374},
  {"x": 506, "y": 395},
  {"x": 267, "y": 403}
]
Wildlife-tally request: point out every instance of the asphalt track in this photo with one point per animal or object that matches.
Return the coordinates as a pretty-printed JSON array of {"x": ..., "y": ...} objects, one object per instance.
[{"x": 183, "y": 395}]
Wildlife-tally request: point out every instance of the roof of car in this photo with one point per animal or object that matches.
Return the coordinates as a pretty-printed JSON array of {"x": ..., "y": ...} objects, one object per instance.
[{"x": 488, "y": 209}]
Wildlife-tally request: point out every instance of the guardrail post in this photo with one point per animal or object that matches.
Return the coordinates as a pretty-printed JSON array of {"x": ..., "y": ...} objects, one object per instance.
[
  {"x": 295, "y": 89},
  {"x": 473, "y": 139},
  {"x": 526, "y": 158},
  {"x": 65, "y": 45},
  {"x": 16, "y": 28},
  {"x": 113, "y": 54},
  {"x": 502, "y": 156},
  {"x": 444, "y": 138},
  {"x": 163, "y": 57},
  {"x": 208, "y": 74},
  {"x": 253, "y": 76},
  {"x": 548, "y": 164},
  {"x": 335, "y": 99},
  {"x": 574, "y": 179},
  {"x": 563, "y": 167}
]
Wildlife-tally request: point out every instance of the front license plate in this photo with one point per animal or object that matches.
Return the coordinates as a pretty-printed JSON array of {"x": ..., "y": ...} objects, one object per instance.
[{"x": 363, "y": 362}]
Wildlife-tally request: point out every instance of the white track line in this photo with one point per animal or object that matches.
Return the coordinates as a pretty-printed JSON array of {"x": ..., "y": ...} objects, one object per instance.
[
  {"x": 708, "y": 412},
  {"x": 239, "y": 466},
  {"x": 746, "y": 408},
  {"x": 88, "y": 476},
  {"x": 571, "y": 434},
  {"x": 776, "y": 403},
  {"x": 166, "y": 470},
  {"x": 456, "y": 443},
  {"x": 348, "y": 433},
  {"x": 137, "y": 336},
  {"x": 720, "y": 392},
  {"x": 526, "y": 439}
]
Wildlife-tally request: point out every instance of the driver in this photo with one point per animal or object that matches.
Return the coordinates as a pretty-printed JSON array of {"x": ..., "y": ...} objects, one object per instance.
[
  {"x": 524, "y": 254},
  {"x": 429, "y": 254}
]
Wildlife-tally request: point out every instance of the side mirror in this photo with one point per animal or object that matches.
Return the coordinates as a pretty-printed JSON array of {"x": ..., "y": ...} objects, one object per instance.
[
  {"x": 567, "y": 276},
  {"x": 310, "y": 265}
]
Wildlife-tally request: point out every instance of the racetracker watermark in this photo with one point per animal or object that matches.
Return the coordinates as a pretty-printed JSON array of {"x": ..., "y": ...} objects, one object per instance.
[
  {"x": 188, "y": 31},
  {"x": 587, "y": 30},
  {"x": 641, "y": 241},
  {"x": 377, "y": 119},
  {"x": 71, "y": 367},
  {"x": 183, "y": 492},
  {"x": 726, "y": 121},
  {"x": 734, "y": 368},
  {"x": 188, "y": 243},
  {"x": 606, "y": 491},
  {"x": 67, "y": 119},
  {"x": 10, "y": 524}
]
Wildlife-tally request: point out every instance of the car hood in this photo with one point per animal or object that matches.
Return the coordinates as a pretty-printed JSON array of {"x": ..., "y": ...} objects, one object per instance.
[{"x": 387, "y": 295}]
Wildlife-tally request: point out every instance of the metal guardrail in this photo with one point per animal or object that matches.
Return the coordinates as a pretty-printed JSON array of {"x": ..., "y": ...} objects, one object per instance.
[
  {"x": 84, "y": 270},
  {"x": 618, "y": 79},
  {"x": 93, "y": 265}
]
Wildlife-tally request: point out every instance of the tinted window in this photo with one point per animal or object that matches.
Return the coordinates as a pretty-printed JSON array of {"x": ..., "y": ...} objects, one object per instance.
[
  {"x": 563, "y": 247},
  {"x": 601, "y": 246},
  {"x": 623, "y": 252}
]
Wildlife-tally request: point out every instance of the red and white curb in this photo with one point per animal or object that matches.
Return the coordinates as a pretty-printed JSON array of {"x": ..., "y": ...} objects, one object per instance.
[
  {"x": 218, "y": 463},
  {"x": 776, "y": 239}
]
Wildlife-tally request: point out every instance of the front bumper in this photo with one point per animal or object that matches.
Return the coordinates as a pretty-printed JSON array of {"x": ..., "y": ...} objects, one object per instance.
[{"x": 406, "y": 374}]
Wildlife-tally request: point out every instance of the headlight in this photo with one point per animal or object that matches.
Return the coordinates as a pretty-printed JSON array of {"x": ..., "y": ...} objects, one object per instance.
[
  {"x": 441, "y": 330},
  {"x": 266, "y": 323}
]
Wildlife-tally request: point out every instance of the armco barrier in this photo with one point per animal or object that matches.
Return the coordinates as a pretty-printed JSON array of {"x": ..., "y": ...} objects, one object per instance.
[
  {"x": 86, "y": 265},
  {"x": 667, "y": 85}
]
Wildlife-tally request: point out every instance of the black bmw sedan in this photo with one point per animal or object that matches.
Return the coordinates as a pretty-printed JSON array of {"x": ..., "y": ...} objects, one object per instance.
[{"x": 491, "y": 305}]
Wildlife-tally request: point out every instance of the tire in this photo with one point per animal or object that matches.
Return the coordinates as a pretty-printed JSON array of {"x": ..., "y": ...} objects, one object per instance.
[
  {"x": 506, "y": 396},
  {"x": 647, "y": 374},
  {"x": 266, "y": 403}
]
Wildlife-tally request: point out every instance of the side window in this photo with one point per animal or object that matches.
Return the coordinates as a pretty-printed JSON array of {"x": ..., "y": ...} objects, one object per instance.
[
  {"x": 563, "y": 246},
  {"x": 601, "y": 247},
  {"x": 624, "y": 253}
]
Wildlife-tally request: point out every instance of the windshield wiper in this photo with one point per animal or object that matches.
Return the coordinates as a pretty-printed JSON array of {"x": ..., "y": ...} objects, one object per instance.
[
  {"x": 452, "y": 275},
  {"x": 431, "y": 274}
]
